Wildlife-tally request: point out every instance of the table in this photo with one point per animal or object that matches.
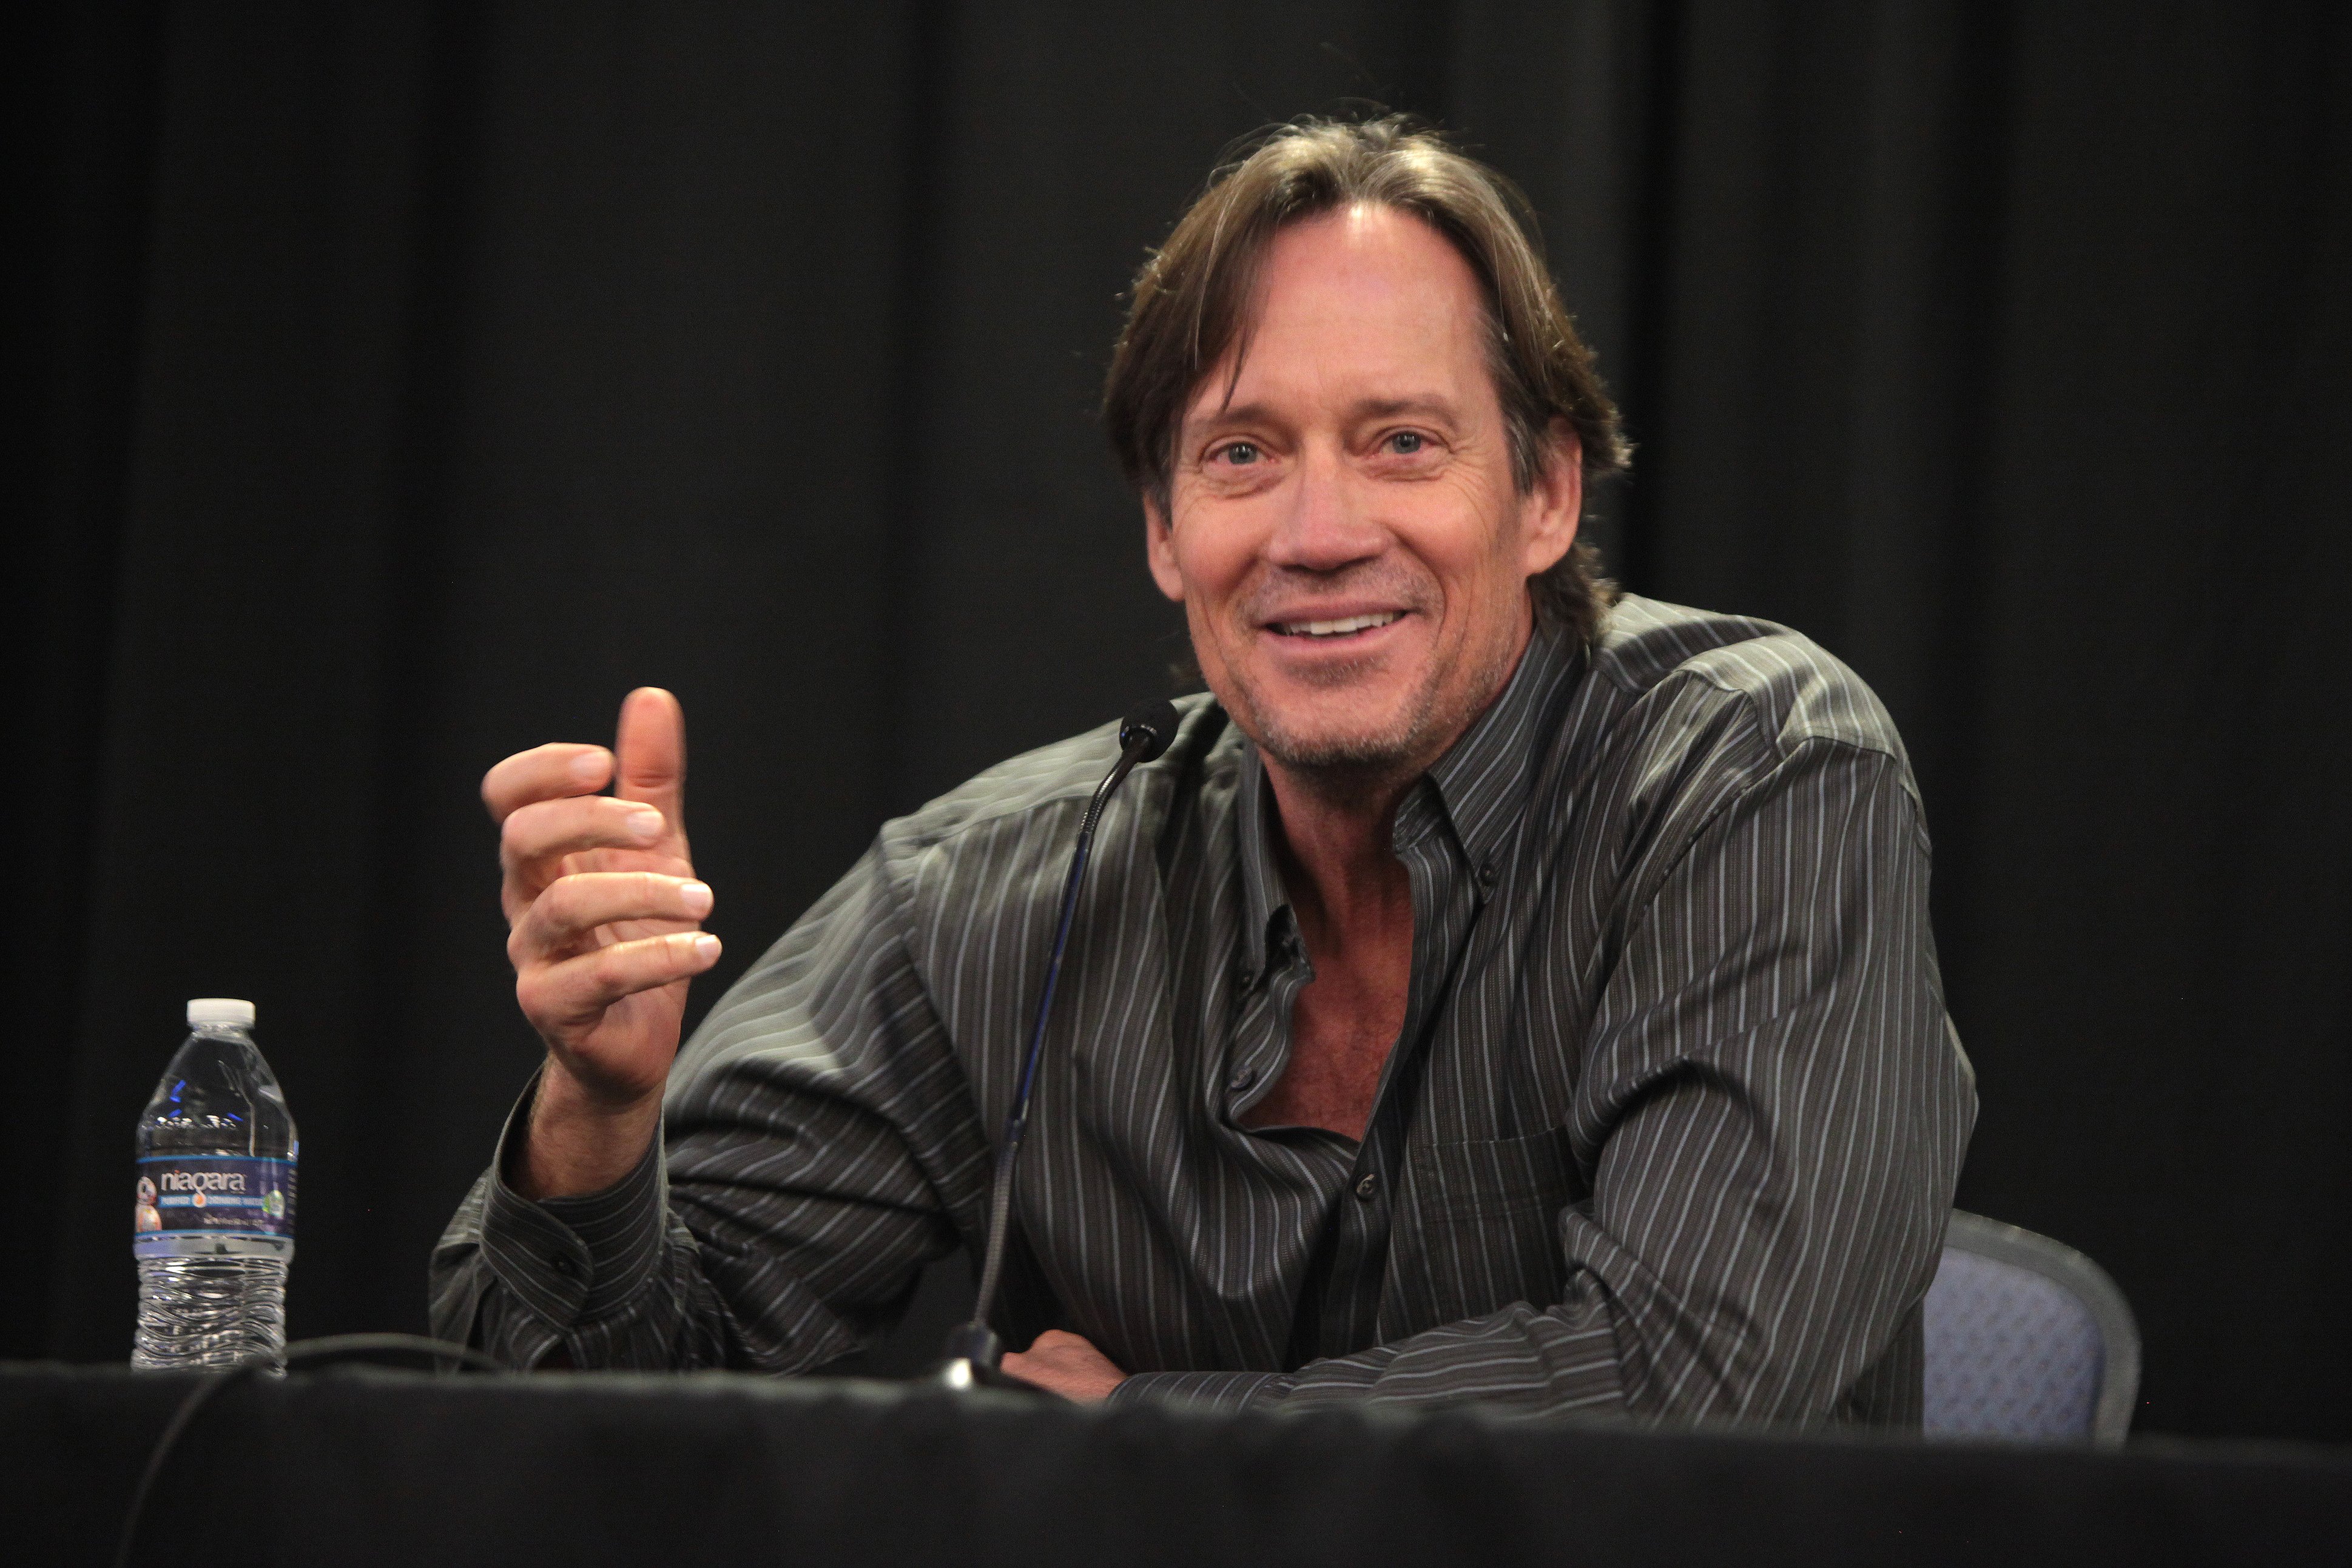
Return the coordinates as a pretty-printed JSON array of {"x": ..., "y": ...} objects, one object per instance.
[{"x": 365, "y": 1466}]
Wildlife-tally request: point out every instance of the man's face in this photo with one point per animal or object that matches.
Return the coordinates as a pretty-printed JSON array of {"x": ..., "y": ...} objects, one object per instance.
[{"x": 1343, "y": 530}]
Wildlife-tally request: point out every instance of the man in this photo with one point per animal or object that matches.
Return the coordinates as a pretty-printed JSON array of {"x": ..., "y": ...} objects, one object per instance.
[{"x": 1494, "y": 992}]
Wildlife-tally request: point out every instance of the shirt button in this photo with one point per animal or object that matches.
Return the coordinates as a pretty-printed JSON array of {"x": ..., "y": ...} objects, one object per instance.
[
  {"x": 1369, "y": 1185},
  {"x": 561, "y": 1264},
  {"x": 1486, "y": 874},
  {"x": 1242, "y": 1078}
]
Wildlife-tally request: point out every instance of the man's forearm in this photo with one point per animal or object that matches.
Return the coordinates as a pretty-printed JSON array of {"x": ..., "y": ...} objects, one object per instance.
[{"x": 1524, "y": 1359}]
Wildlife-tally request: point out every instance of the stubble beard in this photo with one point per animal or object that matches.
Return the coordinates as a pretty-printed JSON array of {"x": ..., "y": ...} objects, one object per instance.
[
  {"x": 1342, "y": 753},
  {"x": 1371, "y": 760}
]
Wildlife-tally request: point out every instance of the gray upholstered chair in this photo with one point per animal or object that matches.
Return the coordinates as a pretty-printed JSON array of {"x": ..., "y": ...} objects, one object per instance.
[{"x": 2027, "y": 1339}]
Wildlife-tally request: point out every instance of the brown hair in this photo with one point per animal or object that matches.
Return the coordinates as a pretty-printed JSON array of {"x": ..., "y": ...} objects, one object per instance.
[{"x": 1190, "y": 304}]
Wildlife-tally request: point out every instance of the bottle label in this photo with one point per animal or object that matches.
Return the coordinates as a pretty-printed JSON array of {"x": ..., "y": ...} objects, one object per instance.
[{"x": 213, "y": 1195}]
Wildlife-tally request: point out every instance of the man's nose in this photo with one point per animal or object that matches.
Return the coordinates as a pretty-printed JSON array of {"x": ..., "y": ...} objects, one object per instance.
[{"x": 1328, "y": 522}]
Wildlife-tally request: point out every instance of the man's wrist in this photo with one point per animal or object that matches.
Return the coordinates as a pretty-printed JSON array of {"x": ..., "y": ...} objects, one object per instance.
[
  {"x": 570, "y": 1258},
  {"x": 574, "y": 1144}
]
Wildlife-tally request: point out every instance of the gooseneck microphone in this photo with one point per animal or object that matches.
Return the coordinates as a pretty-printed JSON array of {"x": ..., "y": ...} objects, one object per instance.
[{"x": 973, "y": 1351}]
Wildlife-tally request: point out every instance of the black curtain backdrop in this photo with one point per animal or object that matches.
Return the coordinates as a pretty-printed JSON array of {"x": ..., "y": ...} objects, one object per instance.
[{"x": 401, "y": 385}]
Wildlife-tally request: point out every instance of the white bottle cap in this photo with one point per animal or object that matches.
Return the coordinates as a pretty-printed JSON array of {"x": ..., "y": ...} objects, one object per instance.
[{"x": 220, "y": 1009}]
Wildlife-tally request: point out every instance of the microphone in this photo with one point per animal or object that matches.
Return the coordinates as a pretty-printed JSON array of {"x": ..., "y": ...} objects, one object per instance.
[{"x": 974, "y": 1355}]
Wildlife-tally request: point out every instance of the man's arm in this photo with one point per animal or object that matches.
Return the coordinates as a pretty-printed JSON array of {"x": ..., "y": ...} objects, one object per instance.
[
  {"x": 1773, "y": 1111},
  {"x": 818, "y": 1147}
]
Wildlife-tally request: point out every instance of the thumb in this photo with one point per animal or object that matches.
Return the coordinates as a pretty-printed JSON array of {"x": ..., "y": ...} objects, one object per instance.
[{"x": 649, "y": 755}]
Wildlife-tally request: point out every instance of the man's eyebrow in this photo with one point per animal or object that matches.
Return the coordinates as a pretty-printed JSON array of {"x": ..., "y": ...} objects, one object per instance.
[
  {"x": 1389, "y": 407},
  {"x": 1230, "y": 414},
  {"x": 1431, "y": 404}
]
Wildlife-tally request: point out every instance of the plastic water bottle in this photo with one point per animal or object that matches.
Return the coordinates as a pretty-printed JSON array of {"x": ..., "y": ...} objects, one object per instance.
[{"x": 213, "y": 1227}]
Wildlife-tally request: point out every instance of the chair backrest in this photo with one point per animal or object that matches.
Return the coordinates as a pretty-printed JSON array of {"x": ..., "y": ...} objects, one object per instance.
[{"x": 2027, "y": 1339}]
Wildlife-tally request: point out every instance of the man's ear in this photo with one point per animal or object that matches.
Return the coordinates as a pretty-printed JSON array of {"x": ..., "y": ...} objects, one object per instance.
[
  {"x": 1160, "y": 548},
  {"x": 1548, "y": 513}
]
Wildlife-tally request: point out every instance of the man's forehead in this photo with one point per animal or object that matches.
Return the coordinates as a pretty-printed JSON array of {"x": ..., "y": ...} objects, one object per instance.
[{"x": 1368, "y": 308}]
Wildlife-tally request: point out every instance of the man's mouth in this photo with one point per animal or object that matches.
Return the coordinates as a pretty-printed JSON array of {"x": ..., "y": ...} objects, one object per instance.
[{"x": 1347, "y": 626}]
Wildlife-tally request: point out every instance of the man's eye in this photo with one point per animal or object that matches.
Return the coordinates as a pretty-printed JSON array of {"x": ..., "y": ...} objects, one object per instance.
[
  {"x": 1237, "y": 452},
  {"x": 1405, "y": 443}
]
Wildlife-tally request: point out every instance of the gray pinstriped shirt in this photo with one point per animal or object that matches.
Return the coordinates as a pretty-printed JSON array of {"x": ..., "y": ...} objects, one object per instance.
[{"x": 1672, "y": 1127}]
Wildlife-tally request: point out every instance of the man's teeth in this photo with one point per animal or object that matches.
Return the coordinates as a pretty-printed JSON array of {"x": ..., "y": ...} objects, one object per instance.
[{"x": 1339, "y": 628}]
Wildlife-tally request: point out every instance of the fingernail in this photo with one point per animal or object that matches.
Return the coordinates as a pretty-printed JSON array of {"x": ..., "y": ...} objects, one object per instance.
[
  {"x": 588, "y": 767},
  {"x": 696, "y": 895},
  {"x": 645, "y": 824},
  {"x": 706, "y": 948}
]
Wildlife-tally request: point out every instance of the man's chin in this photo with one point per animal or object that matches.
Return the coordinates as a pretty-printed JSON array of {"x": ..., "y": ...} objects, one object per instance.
[
  {"x": 1329, "y": 730},
  {"x": 1370, "y": 745}
]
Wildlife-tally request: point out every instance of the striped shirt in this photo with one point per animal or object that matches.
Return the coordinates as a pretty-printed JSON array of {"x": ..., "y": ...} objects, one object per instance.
[{"x": 1672, "y": 1126}]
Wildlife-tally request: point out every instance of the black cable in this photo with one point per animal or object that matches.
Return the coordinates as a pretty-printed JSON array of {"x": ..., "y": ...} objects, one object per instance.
[
  {"x": 1016, "y": 1120},
  {"x": 973, "y": 1351},
  {"x": 301, "y": 1353}
]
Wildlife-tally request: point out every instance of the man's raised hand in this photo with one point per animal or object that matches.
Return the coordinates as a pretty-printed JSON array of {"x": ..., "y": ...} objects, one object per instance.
[{"x": 602, "y": 913}]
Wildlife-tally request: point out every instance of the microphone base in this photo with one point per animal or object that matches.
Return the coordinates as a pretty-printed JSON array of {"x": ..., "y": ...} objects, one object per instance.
[
  {"x": 974, "y": 1359},
  {"x": 962, "y": 1372}
]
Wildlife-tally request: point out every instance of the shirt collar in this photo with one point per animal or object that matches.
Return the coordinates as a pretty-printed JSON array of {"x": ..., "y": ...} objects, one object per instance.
[
  {"x": 1481, "y": 783},
  {"x": 1264, "y": 896}
]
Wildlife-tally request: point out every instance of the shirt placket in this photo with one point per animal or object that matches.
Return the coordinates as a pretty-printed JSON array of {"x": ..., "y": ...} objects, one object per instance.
[{"x": 1257, "y": 1050}]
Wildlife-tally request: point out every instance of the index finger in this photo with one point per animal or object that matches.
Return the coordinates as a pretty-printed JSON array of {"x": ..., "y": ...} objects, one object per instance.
[{"x": 549, "y": 772}]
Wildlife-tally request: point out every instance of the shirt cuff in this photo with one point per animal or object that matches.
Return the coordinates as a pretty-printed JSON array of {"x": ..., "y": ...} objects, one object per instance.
[
  {"x": 1201, "y": 1390},
  {"x": 574, "y": 1260}
]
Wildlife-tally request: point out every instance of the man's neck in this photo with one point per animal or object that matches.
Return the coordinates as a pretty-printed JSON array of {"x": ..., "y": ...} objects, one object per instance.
[
  {"x": 1336, "y": 849},
  {"x": 1353, "y": 903}
]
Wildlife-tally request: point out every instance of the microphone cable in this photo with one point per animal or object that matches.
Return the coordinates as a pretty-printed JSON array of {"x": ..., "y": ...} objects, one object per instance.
[{"x": 973, "y": 1351}]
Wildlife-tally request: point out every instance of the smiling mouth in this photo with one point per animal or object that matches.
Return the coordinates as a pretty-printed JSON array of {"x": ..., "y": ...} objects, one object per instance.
[{"x": 1346, "y": 627}]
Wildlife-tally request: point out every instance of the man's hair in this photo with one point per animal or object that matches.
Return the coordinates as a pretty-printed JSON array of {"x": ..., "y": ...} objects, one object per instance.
[{"x": 1192, "y": 303}]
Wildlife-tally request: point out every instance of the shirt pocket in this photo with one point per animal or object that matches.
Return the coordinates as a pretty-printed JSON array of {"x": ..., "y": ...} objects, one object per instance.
[{"x": 1485, "y": 1218}]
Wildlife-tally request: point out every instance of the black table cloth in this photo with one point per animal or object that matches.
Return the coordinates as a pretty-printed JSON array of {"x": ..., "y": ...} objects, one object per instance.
[{"x": 367, "y": 1467}]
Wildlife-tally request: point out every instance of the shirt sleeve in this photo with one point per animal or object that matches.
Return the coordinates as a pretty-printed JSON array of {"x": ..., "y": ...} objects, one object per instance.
[
  {"x": 819, "y": 1146},
  {"x": 1772, "y": 1116}
]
